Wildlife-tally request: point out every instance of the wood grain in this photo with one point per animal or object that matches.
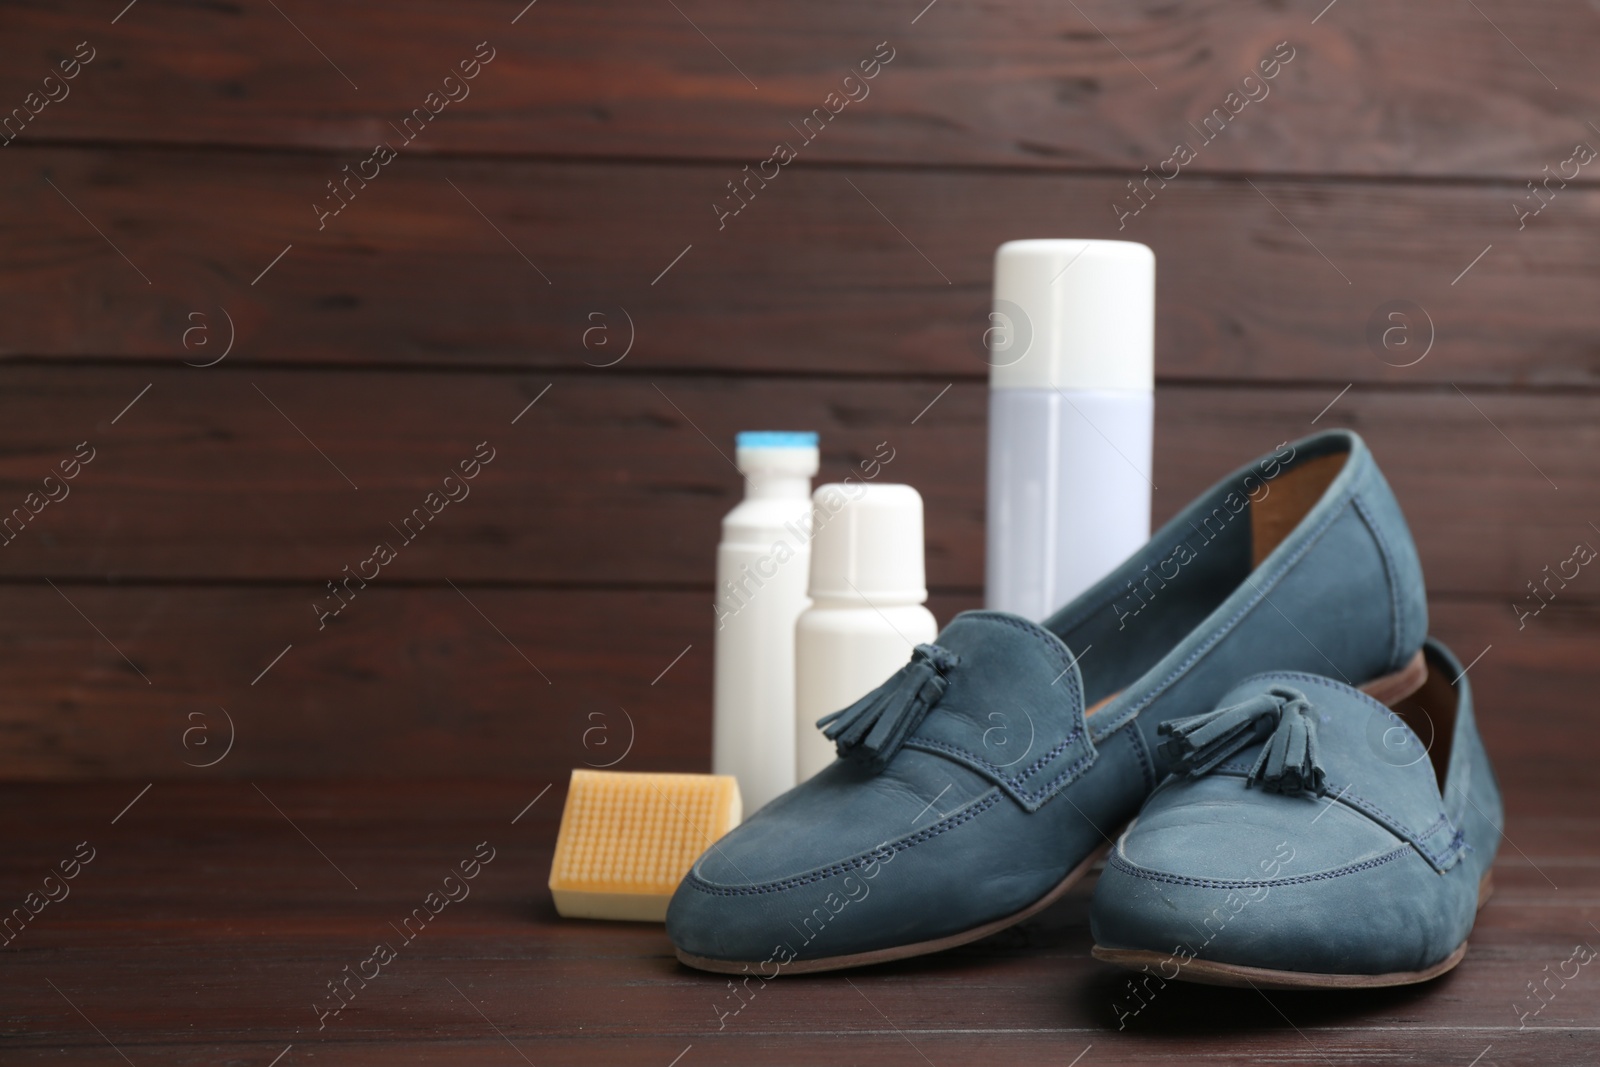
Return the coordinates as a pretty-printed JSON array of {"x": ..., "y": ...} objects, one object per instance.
[
  {"x": 206, "y": 926},
  {"x": 526, "y": 683},
  {"x": 1434, "y": 89},
  {"x": 240, "y": 474},
  {"x": 865, "y": 271}
]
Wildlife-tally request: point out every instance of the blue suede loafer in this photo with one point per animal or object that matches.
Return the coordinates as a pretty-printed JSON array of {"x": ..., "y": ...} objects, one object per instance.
[
  {"x": 981, "y": 780},
  {"x": 1312, "y": 838}
]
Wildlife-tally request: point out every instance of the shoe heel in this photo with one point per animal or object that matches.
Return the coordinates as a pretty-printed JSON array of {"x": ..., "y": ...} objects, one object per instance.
[{"x": 1401, "y": 684}]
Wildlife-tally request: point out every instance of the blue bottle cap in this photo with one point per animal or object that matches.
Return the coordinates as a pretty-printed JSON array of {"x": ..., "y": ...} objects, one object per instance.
[{"x": 775, "y": 439}]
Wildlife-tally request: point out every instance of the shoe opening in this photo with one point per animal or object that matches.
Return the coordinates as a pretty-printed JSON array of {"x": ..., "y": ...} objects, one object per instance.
[
  {"x": 1293, "y": 493},
  {"x": 1431, "y": 713},
  {"x": 1170, "y": 587}
]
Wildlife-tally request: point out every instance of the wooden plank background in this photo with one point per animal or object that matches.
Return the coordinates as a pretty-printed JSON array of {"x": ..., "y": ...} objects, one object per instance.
[
  {"x": 160, "y": 214},
  {"x": 1430, "y": 90}
]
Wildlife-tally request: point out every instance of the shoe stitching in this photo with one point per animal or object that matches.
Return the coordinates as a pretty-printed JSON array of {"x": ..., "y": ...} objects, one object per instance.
[
  {"x": 1092, "y": 608},
  {"x": 855, "y": 863},
  {"x": 1021, "y": 776},
  {"x": 1441, "y": 858},
  {"x": 1048, "y": 790},
  {"x": 1142, "y": 752},
  {"x": 1055, "y": 648},
  {"x": 1222, "y": 631},
  {"x": 1345, "y": 690},
  {"x": 1460, "y": 777},
  {"x": 1440, "y": 823},
  {"x": 1329, "y": 683},
  {"x": 1396, "y": 609},
  {"x": 1014, "y": 784},
  {"x": 1391, "y": 823},
  {"x": 1128, "y": 867}
]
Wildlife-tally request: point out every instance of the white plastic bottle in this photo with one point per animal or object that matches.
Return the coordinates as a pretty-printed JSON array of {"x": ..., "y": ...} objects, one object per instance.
[
  {"x": 866, "y": 614},
  {"x": 1071, "y": 401},
  {"x": 763, "y": 565}
]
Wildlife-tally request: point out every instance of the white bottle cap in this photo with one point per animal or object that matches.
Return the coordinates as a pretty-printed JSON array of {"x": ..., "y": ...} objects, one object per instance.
[
  {"x": 776, "y": 452},
  {"x": 1073, "y": 315},
  {"x": 868, "y": 543}
]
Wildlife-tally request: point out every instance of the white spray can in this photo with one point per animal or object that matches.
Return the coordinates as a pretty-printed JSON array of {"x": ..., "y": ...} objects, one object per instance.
[{"x": 1071, "y": 401}]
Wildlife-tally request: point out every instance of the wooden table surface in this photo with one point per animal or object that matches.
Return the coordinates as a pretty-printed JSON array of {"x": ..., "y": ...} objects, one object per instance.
[{"x": 211, "y": 918}]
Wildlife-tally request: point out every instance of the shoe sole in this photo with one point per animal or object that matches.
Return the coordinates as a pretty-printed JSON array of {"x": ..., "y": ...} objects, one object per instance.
[
  {"x": 900, "y": 952},
  {"x": 1210, "y": 972},
  {"x": 1386, "y": 690}
]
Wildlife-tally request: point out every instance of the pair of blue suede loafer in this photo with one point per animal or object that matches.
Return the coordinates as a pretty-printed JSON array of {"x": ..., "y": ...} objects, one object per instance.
[{"x": 1251, "y": 702}]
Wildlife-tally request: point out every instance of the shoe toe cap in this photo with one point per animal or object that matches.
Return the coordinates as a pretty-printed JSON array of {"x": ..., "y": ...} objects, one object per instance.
[
  {"x": 800, "y": 882},
  {"x": 1342, "y": 899},
  {"x": 805, "y": 864}
]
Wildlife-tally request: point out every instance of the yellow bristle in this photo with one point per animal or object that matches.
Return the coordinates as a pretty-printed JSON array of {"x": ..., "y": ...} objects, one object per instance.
[{"x": 627, "y": 839}]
